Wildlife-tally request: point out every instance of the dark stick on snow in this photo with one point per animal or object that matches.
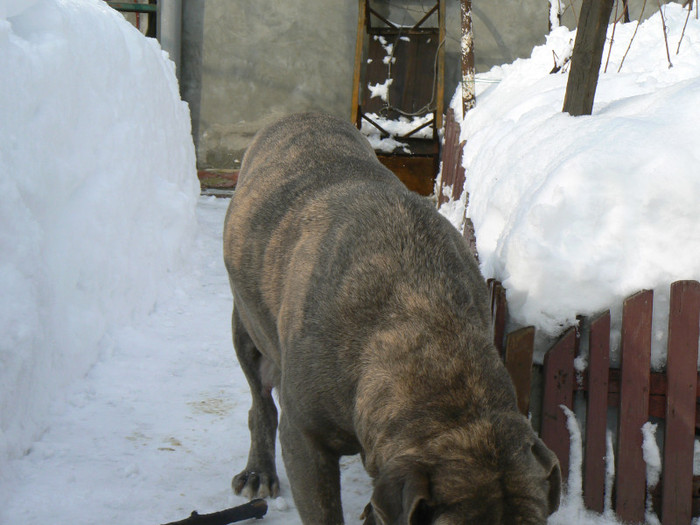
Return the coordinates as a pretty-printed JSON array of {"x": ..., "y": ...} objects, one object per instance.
[{"x": 253, "y": 509}]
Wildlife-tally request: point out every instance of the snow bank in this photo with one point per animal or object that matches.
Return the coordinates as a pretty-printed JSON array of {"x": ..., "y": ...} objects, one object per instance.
[
  {"x": 573, "y": 214},
  {"x": 97, "y": 195}
]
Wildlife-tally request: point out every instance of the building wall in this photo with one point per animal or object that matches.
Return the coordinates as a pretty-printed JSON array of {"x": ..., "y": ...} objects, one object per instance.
[{"x": 247, "y": 62}]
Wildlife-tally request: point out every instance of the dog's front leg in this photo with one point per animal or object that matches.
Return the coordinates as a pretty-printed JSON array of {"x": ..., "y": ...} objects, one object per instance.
[{"x": 314, "y": 474}]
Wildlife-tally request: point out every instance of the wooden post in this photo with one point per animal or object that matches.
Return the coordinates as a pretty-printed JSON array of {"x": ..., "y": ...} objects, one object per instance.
[
  {"x": 597, "y": 414},
  {"x": 587, "y": 56},
  {"x": 449, "y": 151},
  {"x": 635, "y": 356},
  {"x": 467, "y": 48},
  {"x": 683, "y": 332},
  {"x": 361, "y": 20},
  {"x": 440, "y": 102},
  {"x": 499, "y": 313},
  {"x": 558, "y": 390}
]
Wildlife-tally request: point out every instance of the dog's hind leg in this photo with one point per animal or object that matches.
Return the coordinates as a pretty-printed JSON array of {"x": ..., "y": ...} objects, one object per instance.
[
  {"x": 314, "y": 474},
  {"x": 259, "y": 478}
]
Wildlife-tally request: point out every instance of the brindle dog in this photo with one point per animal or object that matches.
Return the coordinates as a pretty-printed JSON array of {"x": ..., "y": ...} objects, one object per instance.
[{"x": 362, "y": 305}]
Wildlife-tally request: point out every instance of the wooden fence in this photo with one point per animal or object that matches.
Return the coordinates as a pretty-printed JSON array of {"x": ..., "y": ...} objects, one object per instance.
[{"x": 632, "y": 389}]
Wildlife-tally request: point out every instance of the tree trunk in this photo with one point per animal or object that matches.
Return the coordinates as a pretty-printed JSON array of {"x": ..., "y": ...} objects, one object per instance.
[{"x": 587, "y": 56}]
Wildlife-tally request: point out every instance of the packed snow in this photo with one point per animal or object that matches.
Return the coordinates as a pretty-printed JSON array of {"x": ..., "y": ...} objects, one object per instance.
[
  {"x": 120, "y": 397},
  {"x": 97, "y": 196},
  {"x": 573, "y": 214}
]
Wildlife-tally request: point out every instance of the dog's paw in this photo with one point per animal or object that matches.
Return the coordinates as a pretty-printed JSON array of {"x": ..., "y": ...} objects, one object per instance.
[
  {"x": 368, "y": 515},
  {"x": 252, "y": 484}
]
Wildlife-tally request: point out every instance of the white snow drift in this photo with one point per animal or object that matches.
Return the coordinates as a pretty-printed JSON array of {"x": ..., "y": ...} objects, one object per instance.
[
  {"x": 97, "y": 195},
  {"x": 573, "y": 214}
]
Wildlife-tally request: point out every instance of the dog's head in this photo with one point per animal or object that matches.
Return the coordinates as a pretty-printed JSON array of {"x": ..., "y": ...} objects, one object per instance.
[{"x": 496, "y": 472}]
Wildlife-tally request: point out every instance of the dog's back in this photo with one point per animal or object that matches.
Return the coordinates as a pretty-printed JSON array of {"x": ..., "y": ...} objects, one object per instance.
[{"x": 314, "y": 209}]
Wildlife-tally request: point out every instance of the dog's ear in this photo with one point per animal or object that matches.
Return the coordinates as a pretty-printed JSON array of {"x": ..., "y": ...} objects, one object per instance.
[
  {"x": 401, "y": 497},
  {"x": 550, "y": 463}
]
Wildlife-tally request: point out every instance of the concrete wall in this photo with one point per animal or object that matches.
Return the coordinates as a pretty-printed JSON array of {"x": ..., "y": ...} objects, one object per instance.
[{"x": 247, "y": 62}]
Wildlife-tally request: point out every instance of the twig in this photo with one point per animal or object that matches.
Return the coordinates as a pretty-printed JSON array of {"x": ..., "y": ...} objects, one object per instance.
[
  {"x": 612, "y": 39},
  {"x": 625, "y": 11},
  {"x": 663, "y": 23},
  {"x": 633, "y": 35},
  {"x": 690, "y": 8},
  {"x": 256, "y": 508},
  {"x": 573, "y": 10}
]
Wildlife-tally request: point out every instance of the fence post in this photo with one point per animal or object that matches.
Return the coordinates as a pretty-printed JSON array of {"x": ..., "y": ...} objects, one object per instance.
[
  {"x": 519, "y": 348},
  {"x": 499, "y": 313},
  {"x": 683, "y": 331},
  {"x": 597, "y": 412},
  {"x": 558, "y": 390},
  {"x": 630, "y": 473}
]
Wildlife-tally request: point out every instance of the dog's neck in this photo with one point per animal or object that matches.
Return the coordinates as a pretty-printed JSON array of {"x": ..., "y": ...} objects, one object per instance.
[{"x": 407, "y": 395}]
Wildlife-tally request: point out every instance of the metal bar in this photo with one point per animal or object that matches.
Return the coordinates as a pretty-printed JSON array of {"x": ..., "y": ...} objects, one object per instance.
[
  {"x": 427, "y": 15},
  {"x": 387, "y": 22},
  {"x": 385, "y": 132},
  {"x": 133, "y": 8},
  {"x": 407, "y": 135}
]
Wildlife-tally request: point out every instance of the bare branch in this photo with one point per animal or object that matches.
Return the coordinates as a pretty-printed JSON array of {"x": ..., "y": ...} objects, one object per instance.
[
  {"x": 612, "y": 39},
  {"x": 663, "y": 24},
  {"x": 690, "y": 9},
  {"x": 641, "y": 14}
]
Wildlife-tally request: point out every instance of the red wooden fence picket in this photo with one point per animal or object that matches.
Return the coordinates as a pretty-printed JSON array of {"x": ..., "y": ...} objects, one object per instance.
[
  {"x": 452, "y": 170},
  {"x": 681, "y": 401},
  {"x": 635, "y": 360},
  {"x": 499, "y": 313},
  {"x": 518, "y": 359},
  {"x": 559, "y": 390},
  {"x": 597, "y": 412}
]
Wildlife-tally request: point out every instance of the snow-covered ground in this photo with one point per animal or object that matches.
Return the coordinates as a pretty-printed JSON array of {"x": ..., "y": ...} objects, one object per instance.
[
  {"x": 120, "y": 397},
  {"x": 159, "y": 427}
]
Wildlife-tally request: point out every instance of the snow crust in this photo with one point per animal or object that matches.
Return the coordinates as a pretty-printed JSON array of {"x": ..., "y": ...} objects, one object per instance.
[
  {"x": 97, "y": 196},
  {"x": 573, "y": 214}
]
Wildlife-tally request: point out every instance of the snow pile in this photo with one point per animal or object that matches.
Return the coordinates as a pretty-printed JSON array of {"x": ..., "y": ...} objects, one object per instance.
[
  {"x": 573, "y": 214},
  {"x": 97, "y": 195}
]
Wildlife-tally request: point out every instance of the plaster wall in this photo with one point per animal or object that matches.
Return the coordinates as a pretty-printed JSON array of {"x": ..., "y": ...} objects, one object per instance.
[{"x": 247, "y": 62}]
